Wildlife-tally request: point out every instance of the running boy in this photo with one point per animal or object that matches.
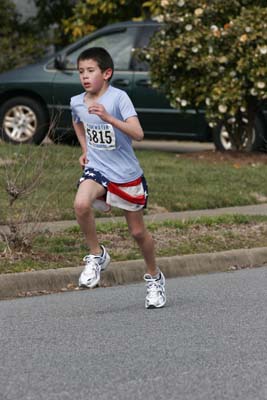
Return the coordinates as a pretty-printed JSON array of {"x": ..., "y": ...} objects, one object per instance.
[{"x": 105, "y": 123}]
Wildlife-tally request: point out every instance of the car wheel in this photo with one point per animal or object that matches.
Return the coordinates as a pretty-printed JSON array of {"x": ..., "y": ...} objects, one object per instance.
[
  {"x": 223, "y": 142},
  {"x": 23, "y": 120}
]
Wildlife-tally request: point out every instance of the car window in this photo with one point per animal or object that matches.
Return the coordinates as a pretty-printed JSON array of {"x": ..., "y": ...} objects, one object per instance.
[
  {"x": 118, "y": 44},
  {"x": 143, "y": 41}
]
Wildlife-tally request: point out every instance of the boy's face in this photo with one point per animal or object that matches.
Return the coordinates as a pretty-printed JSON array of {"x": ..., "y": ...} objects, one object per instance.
[{"x": 91, "y": 76}]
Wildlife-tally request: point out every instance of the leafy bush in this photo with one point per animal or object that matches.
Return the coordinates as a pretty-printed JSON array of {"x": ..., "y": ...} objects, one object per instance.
[
  {"x": 213, "y": 54},
  {"x": 92, "y": 14}
]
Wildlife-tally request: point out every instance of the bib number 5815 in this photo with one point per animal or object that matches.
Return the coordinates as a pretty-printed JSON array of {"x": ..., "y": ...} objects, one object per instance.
[{"x": 102, "y": 137}]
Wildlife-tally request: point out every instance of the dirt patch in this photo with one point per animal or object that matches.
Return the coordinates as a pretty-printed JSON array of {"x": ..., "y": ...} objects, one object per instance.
[
  {"x": 6, "y": 163},
  {"x": 237, "y": 158}
]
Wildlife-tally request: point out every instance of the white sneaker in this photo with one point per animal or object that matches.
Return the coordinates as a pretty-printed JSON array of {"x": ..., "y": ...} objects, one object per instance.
[
  {"x": 156, "y": 297},
  {"x": 94, "y": 265}
]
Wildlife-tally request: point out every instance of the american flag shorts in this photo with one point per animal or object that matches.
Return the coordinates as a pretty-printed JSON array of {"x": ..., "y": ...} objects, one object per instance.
[{"x": 131, "y": 196}]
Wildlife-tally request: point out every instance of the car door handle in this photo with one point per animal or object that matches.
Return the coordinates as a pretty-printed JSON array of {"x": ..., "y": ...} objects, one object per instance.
[
  {"x": 144, "y": 82},
  {"x": 121, "y": 82}
]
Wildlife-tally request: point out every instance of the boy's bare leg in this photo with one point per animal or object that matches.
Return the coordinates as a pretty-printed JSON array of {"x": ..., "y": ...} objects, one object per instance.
[
  {"x": 88, "y": 191},
  {"x": 135, "y": 221}
]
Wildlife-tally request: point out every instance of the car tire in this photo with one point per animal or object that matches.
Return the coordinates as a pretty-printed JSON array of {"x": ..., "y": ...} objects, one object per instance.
[
  {"x": 222, "y": 140},
  {"x": 23, "y": 120}
]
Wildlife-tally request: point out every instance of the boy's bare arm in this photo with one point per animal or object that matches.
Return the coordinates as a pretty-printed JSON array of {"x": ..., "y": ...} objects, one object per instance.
[
  {"x": 130, "y": 127},
  {"x": 79, "y": 130}
]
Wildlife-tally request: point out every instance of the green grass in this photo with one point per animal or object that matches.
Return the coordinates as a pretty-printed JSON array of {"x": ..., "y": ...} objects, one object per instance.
[
  {"x": 183, "y": 184},
  {"x": 175, "y": 183},
  {"x": 199, "y": 235}
]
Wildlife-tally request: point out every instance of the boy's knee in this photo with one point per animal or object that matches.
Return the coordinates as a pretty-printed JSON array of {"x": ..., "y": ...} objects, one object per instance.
[
  {"x": 138, "y": 233},
  {"x": 81, "y": 207}
]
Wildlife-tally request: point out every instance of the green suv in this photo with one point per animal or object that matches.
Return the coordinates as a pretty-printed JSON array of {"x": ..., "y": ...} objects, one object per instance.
[{"x": 34, "y": 100}]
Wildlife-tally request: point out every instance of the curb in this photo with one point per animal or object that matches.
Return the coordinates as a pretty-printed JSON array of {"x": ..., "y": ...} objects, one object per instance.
[{"x": 125, "y": 272}]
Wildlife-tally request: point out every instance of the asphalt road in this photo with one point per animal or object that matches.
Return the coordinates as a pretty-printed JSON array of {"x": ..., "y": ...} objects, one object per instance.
[{"x": 209, "y": 342}]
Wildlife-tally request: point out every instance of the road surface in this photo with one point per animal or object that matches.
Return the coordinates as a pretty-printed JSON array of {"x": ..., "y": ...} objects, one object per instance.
[{"x": 209, "y": 342}]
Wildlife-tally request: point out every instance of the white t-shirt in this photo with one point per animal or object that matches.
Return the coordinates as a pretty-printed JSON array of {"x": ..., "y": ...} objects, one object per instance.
[{"x": 108, "y": 149}]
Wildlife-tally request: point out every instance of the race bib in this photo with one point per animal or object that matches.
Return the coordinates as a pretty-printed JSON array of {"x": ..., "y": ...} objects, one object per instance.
[{"x": 100, "y": 136}]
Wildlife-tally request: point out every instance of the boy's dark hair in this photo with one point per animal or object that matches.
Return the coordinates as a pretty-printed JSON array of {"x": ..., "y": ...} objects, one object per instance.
[{"x": 98, "y": 54}]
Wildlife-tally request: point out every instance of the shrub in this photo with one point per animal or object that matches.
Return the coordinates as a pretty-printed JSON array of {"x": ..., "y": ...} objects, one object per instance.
[{"x": 213, "y": 54}]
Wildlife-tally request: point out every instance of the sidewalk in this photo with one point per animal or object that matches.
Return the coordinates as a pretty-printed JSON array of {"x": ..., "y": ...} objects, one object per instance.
[{"x": 40, "y": 282}]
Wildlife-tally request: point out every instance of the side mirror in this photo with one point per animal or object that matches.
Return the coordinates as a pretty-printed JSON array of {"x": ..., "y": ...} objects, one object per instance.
[{"x": 60, "y": 61}]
